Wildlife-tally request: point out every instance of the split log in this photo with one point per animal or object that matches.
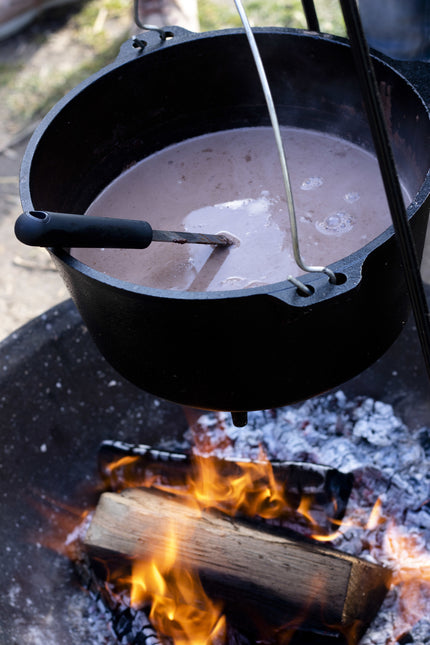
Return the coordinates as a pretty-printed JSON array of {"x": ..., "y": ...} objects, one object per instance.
[
  {"x": 326, "y": 488},
  {"x": 258, "y": 564}
]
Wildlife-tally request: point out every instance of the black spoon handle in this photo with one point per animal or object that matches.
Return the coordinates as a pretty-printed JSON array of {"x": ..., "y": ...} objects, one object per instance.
[{"x": 43, "y": 228}]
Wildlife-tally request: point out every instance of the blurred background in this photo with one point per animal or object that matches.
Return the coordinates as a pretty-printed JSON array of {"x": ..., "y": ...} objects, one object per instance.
[{"x": 54, "y": 52}]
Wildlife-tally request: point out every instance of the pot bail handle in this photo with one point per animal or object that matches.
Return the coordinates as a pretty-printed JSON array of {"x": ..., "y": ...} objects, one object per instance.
[
  {"x": 163, "y": 34},
  {"x": 282, "y": 156}
]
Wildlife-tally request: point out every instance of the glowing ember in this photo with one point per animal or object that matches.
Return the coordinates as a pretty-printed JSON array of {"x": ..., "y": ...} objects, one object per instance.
[
  {"x": 407, "y": 556},
  {"x": 405, "y": 553}
]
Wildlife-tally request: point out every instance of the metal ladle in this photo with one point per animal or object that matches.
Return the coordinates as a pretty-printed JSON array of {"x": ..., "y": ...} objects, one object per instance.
[{"x": 44, "y": 228}]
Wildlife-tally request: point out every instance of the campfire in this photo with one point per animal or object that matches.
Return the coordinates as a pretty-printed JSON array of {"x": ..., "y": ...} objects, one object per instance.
[{"x": 231, "y": 547}]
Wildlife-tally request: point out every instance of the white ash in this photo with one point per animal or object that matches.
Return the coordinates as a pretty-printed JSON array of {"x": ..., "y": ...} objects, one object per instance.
[
  {"x": 97, "y": 624},
  {"x": 388, "y": 460},
  {"x": 87, "y": 623}
]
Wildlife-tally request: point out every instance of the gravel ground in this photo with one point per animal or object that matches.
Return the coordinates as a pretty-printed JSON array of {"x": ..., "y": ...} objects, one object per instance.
[{"x": 29, "y": 283}]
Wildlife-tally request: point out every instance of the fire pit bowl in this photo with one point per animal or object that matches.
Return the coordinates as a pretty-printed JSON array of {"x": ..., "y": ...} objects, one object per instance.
[
  {"x": 225, "y": 350},
  {"x": 59, "y": 399}
]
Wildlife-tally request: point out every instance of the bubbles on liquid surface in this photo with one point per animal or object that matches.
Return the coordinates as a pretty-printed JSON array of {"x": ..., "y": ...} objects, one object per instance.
[
  {"x": 351, "y": 197},
  {"x": 335, "y": 224},
  {"x": 311, "y": 183}
]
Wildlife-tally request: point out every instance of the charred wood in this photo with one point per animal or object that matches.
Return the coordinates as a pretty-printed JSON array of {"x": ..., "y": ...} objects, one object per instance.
[
  {"x": 327, "y": 489},
  {"x": 126, "y": 623}
]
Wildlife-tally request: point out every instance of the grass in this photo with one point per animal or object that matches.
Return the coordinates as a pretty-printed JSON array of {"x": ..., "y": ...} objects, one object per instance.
[
  {"x": 90, "y": 39},
  {"x": 60, "y": 84},
  {"x": 93, "y": 35},
  {"x": 219, "y": 14}
]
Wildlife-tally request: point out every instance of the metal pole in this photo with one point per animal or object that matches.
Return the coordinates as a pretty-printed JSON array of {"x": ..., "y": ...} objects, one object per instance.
[{"x": 375, "y": 116}]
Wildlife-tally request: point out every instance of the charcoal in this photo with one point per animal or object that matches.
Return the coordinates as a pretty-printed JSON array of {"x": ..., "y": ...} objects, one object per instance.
[
  {"x": 406, "y": 639},
  {"x": 130, "y": 627}
]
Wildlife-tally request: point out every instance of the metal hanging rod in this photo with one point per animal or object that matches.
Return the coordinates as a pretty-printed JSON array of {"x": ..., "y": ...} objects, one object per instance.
[
  {"x": 381, "y": 141},
  {"x": 310, "y": 15}
]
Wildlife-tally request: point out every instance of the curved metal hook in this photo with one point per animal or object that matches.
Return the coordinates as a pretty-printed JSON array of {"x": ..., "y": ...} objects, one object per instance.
[{"x": 161, "y": 32}]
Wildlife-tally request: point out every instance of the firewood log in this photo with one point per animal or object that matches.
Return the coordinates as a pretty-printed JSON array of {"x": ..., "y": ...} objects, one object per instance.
[
  {"x": 260, "y": 564},
  {"x": 327, "y": 488}
]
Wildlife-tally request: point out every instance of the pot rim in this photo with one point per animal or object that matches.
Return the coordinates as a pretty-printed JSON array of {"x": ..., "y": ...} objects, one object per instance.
[{"x": 350, "y": 266}]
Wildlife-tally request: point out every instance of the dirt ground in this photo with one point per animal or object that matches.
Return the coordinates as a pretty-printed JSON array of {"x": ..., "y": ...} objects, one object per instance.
[{"x": 29, "y": 283}]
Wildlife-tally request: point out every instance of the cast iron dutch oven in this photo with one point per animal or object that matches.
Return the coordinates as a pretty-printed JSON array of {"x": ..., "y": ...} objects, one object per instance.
[{"x": 246, "y": 349}]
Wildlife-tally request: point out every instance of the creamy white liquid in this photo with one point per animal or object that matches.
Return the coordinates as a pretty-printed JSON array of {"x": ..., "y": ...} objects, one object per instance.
[{"x": 231, "y": 181}]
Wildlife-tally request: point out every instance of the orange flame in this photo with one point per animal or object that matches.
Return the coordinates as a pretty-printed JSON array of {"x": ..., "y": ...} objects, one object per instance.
[
  {"x": 66, "y": 526},
  {"x": 120, "y": 463},
  {"x": 375, "y": 518},
  {"x": 254, "y": 491},
  {"x": 233, "y": 487},
  {"x": 180, "y": 608},
  {"x": 304, "y": 508}
]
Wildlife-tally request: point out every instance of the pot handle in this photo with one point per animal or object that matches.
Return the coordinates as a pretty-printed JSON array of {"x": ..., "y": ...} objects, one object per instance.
[
  {"x": 150, "y": 40},
  {"x": 348, "y": 279},
  {"x": 44, "y": 228}
]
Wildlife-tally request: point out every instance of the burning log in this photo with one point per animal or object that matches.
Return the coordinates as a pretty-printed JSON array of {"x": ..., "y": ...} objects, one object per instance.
[
  {"x": 260, "y": 564},
  {"x": 129, "y": 625},
  {"x": 325, "y": 489}
]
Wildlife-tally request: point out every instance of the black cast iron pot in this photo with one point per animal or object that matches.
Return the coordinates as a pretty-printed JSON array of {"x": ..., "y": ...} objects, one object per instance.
[{"x": 244, "y": 349}]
